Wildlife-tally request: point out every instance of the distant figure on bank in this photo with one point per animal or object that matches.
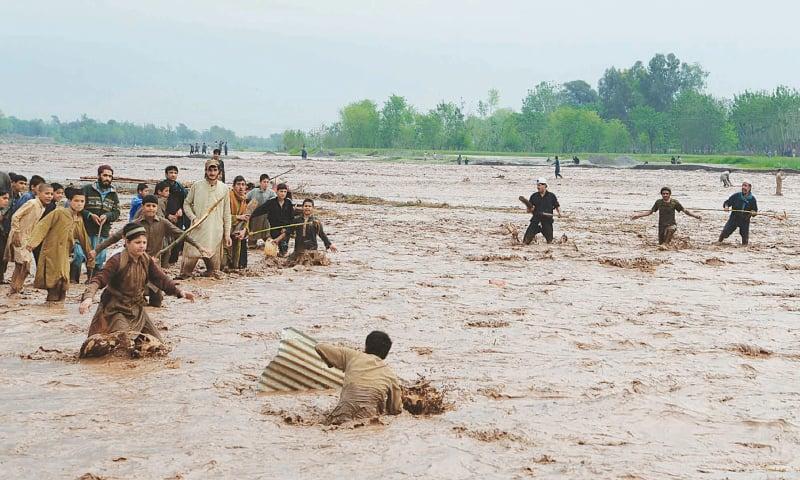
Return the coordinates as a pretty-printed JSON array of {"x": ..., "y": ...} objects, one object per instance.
[
  {"x": 726, "y": 178},
  {"x": 466, "y": 161},
  {"x": 576, "y": 160},
  {"x": 744, "y": 207},
  {"x": 226, "y": 147},
  {"x": 197, "y": 147},
  {"x": 191, "y": 149},
  {"x": 558, "y": 168},
  {"x": 673, "y": 161},
  {"x": 205, "y": 148},
  {"x": 370, "y": 388},
  {"x": 304, "y": 153},
  {"x": 666, "y": 207},
  {"x": 458, "y": 160},
  {"x": 779, "y": 182}
]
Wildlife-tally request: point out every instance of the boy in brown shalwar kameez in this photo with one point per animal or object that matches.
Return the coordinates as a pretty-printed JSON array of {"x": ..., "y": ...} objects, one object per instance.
[
  {"x": 370, "y": 387},
  {"x": 22, "y": 224},
  {"x": 158, "y": 229},
  {"x": 125, "y": 277},
  {"x": 56, "y": 233}
]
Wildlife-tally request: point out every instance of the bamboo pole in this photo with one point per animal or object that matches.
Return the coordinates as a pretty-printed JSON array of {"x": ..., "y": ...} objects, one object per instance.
[{"x": 192, "y": 227}]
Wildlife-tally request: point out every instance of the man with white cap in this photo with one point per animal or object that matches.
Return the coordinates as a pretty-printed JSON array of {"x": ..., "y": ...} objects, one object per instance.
[
  {"x": 541, "y": 204},
  {"x": 744, "y": 207}
]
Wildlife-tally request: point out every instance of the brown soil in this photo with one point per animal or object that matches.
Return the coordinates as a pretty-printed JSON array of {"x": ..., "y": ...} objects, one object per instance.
[
  {"x": 750, "y": 350},
  {"x": 640, "y": 263},
  {"x": 121, "y": 344},
  {"x": 488, "y": 324}
]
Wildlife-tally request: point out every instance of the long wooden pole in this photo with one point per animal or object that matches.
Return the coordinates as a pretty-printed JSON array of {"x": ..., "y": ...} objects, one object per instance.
[{"x": 192, "y": 227}]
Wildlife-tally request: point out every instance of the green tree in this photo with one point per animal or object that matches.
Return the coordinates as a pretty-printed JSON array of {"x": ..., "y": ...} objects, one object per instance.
[
  {"x": 616, "y": 138},
  {"x": 396, "y": 123},
  {"x": 578, "y": 93},
  {"x": 617, "y": 94},
  {"x": 650, "y": 125},
  {"x": 360, "y": 124},
  {"x": 574, "y": 130},
  {"x": 537, "y": 105},
  {"x": 700, "y": 123}
]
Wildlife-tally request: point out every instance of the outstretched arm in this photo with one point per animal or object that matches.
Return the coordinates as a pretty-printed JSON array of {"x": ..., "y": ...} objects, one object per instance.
[
  {"x": 693, "y": 215},
  {"x": 636, "y": 216}
]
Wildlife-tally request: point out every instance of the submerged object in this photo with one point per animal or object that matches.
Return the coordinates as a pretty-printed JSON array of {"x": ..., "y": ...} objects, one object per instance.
[{"x": 298, "y": 367}]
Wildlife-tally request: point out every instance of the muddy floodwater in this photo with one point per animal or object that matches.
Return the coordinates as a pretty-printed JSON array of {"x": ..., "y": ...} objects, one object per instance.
[{"x": 600, "y": 356}]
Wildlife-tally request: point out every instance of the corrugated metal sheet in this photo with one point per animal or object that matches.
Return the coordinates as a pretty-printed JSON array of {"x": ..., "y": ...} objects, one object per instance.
[{"x": 298, "y": 367}]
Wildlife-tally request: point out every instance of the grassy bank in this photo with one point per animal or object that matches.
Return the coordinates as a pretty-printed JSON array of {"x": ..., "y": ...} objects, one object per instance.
[{"x": 755, "y": 162}]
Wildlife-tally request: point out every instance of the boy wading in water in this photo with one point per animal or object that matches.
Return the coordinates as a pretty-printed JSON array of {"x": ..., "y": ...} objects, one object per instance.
[
  {"x": 370, "y": 387},
  {"x": 666, "y": 207},
  {"x": 305, "y": 240},
  {"x": 56, "y": 233},
  {"x": 125, "y": 277},
  {"x": 22, "y": 224},
  {"x": 541, "y": 204}
]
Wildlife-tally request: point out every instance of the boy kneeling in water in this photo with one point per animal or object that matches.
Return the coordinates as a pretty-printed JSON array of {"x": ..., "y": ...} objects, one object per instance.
[
  {"x": 125, "y": 277},
  {"x": 370, "y": 387}
]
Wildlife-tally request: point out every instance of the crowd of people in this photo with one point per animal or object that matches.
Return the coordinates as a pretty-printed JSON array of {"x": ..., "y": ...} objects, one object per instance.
[
  {"x": 196, "y": 149},
  {"x": 66, "y": 231}
]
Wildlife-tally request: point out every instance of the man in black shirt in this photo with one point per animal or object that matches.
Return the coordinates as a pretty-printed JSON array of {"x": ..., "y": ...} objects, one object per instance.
[
  {"x": 306, "y": 234},
  {"x": 542, "y": 204},
  {"x": 280, "y": 212}
]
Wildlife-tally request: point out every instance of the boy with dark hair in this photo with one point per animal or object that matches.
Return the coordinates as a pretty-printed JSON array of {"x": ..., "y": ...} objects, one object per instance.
[
  {"x": 162, "y": 194},
  {"x": 174, "y": 209},
  {"x": 260, "y": 195},
  {"x": 236, "y": 254},
  {"x": 306, "y": 234},
  {"x": 370, "y": 387},
  {"x": 666, "y": 207},
  {"x": 5, "y": 200},
  {"x": 58, "y": 198},
  {"x": 280, "y": 212},
  {"x": 136, "y": 203},
  {"x": 54, "y": 236},
  {"x": 215, "y": 156},
  {"x": 157, "y": 229},
  {"x": 22, "y": 224}
]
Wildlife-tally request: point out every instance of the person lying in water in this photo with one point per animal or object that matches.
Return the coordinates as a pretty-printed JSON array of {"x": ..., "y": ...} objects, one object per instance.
[
  {"x": 125, "y": 277},
  {"x": 370, "y": 387}
]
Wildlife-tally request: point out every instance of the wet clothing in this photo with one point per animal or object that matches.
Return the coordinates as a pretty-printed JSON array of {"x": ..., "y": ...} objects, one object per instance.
[
  {"x": 740, "y": 220},
  {"x": 370, "y": 387},
  {"x": 543, "y": 224},
  {"x": 779, "y": 184},
  {"x": 278, "y": 215},
  {"x": 136, "y": 204},
  {"x": 257, "y": 224},
  {"x": 209, "y": 234},
  {"x": 56, "y": 234},
  {"x": 22, "y": 224},
  {"x": 236, "y": 254},
  {"x": 177, "y": 195},
  {"x": 558, "y": 169},
  {"x": 157, "y": 229},
  {"x": 666, "y": 211},
  {"x": 121, "y": 307},
  {"x": 726, "y": 179},
  {"x": 305, "y": 235}
]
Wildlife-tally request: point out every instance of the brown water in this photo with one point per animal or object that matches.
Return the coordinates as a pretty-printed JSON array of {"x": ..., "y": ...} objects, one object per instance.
[{"x": 561, "y": 363}]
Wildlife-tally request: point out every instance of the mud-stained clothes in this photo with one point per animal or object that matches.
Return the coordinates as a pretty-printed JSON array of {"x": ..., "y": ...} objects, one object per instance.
[
  {"x": 541, "y": 223},
  {"x": 666, "y": 217},
  {"x": 740, "y": 220},
  {"x": 177, "y": 195},
  {"x": 305, "y": 235},
  {"x": 236, "y": 254},
  {"x": 56, "y": 234},
  {"x": 370, "y": 387},
  {"x": 257, "y": 224},
  {"x": 121, "y": 307},
  {"x": 209, "y": 234},
  {"x": 725, "y": 178},
  {"x": 22, "y": 224},
  {"x": 278, "y": 216}
]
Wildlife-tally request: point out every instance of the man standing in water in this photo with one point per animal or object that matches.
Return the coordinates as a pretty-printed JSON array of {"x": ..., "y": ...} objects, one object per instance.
[
  {"x": 666, "y": 207},
  {"x": 744, "y": 208},
  {"x": 726, "y": 178},
  {"x": 216, "y": 230},
  {"x": 280, "y": 212},
  {"x": 101, "y": 210},
  {"x": 779, "y": 183},
  {"x": 558, "y": 168},
  {"x": 541, "y": 204}
]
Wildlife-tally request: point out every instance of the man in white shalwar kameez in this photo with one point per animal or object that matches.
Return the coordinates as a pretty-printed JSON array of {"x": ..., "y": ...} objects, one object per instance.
[{"x": 216, "y": 229}]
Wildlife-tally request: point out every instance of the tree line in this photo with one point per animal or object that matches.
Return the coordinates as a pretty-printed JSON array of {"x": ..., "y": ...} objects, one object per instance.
[
  {"x": 112, "y": 132},
  {"x": 654, "y": 108}
]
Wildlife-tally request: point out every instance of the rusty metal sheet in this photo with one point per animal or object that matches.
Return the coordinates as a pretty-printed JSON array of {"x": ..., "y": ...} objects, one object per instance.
[{"x": 298, "y": 367}]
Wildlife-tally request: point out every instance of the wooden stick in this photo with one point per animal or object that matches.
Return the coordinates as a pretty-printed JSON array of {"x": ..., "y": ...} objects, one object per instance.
[
  {"x": 192, "y": 227},
  {"x": 529, "y": 205}
]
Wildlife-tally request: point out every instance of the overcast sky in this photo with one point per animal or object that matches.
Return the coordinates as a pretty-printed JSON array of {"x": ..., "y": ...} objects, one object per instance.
[{"x": 261, "y": 66}]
